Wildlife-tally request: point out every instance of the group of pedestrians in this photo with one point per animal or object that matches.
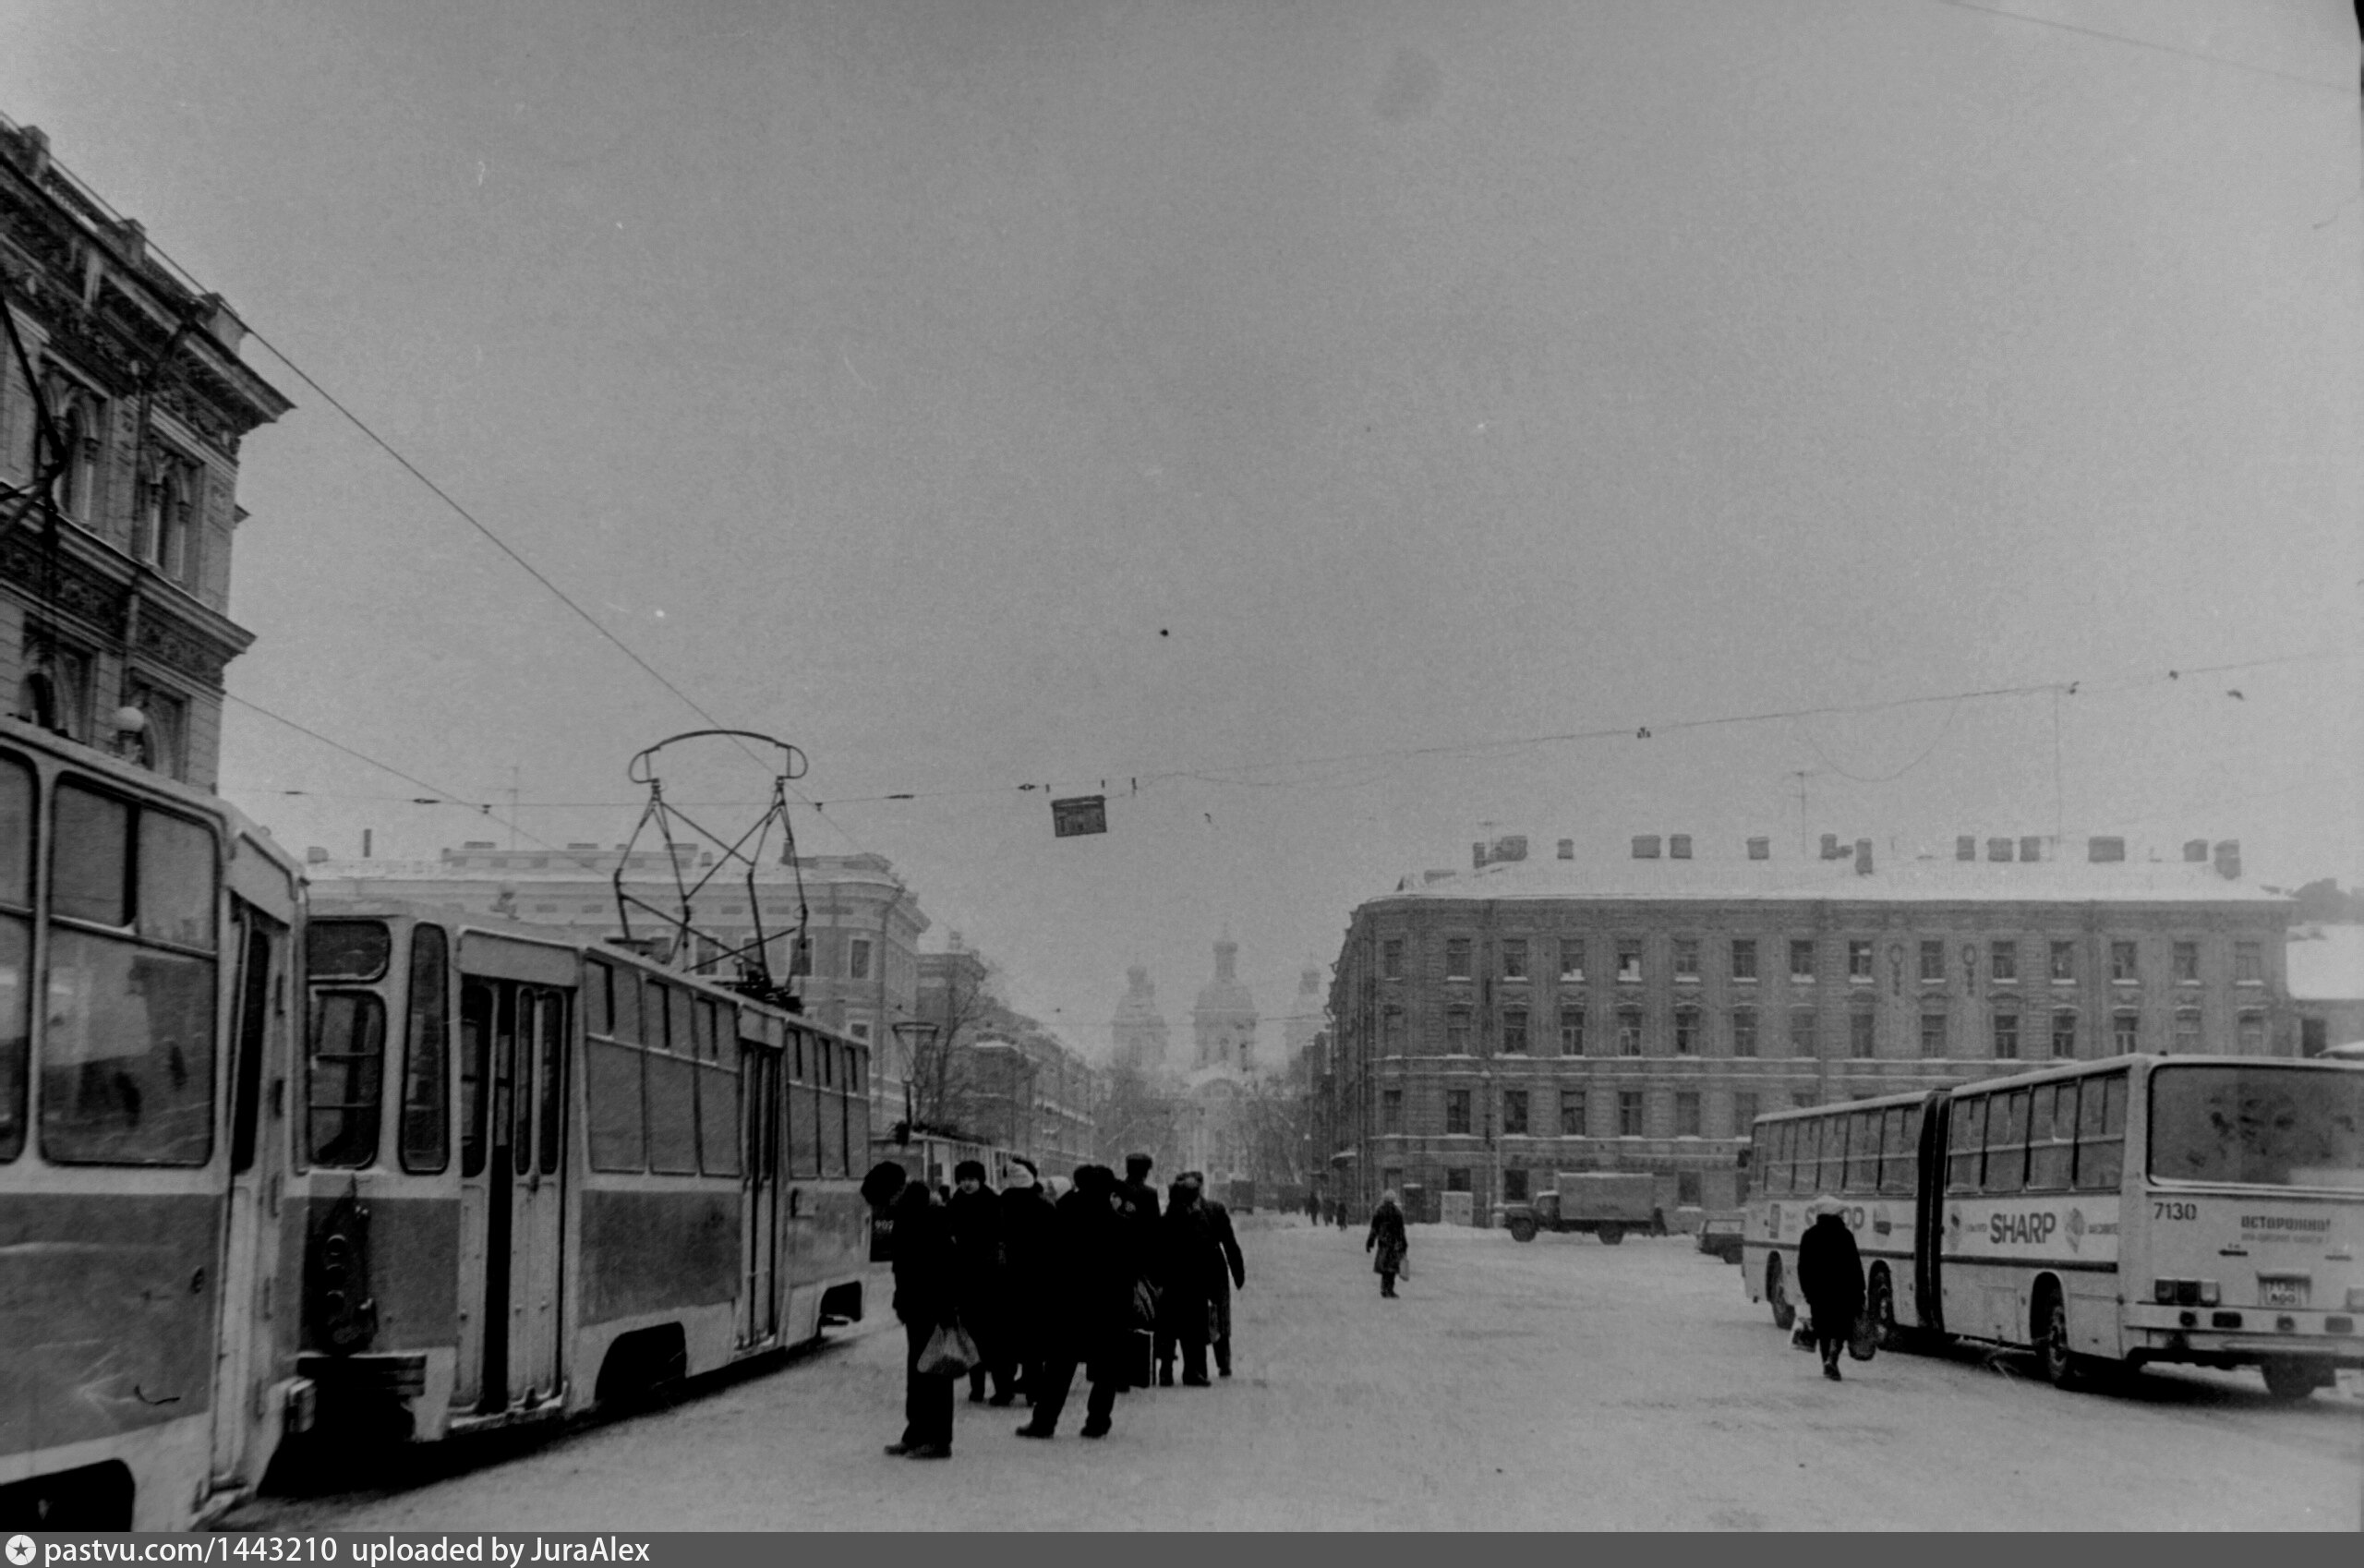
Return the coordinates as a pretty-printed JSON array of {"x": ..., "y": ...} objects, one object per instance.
[{"x": 1103, "y": 1280}]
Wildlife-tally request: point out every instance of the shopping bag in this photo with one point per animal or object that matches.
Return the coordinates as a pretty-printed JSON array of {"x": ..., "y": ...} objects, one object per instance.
[
  {"x": 1801, "y": 1336},
  {"x": 949, "y": 1352},
  {"x": 1865, "y": 1341}
]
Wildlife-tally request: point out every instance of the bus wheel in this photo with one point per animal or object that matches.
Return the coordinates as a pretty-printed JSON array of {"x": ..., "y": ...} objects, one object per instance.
[
  {"x": 1785, "y": 1311},
  {"x": 1611, "y": 1235},
  {"x": 1887, "y": 1335},
  {"x": 2062, "y": 1366},
  {"x": 2294, "y": 1380}
]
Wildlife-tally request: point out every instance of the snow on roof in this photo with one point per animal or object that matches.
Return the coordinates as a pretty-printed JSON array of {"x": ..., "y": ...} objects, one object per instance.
[
  {"x": 1919, "y": 880},
  {"x": 2326, "y": 963}
]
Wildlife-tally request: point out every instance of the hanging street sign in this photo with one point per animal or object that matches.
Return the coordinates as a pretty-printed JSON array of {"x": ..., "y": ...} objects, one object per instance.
[{"x": 1078, "y": 813}]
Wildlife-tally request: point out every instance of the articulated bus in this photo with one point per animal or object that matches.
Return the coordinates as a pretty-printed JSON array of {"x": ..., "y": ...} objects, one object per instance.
[
  {"x": 2201, "y": 1209},
  {"x": 144, "y": 1377},
  {"x": 539, "y": 1172}
]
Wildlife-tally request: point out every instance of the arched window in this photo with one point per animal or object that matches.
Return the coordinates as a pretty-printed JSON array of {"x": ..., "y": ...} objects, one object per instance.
[{"x": 78, "y": 425}]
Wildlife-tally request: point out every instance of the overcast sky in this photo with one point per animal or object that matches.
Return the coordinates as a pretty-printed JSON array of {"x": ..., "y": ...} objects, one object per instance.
[{"x": 981, "y": 394}]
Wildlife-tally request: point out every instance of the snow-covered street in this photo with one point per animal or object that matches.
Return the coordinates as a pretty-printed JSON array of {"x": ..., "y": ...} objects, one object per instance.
[{"x": 1558, "y": 1385}]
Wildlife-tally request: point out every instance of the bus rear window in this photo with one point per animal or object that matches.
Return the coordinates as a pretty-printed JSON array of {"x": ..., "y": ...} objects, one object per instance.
[
  {"x": 346, "y": 949},
  {"x": 2258, "y": 1127}
]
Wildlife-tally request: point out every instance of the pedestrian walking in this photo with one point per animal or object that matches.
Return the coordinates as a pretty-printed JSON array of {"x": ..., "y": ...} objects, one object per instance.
[
  {"x": 1341, "y": 1214},
  {"x": 1389, "y": 1243},
  {"x": 1313, "y": 1208},
  {"x": 973, "y": 1215},
  {"x": 1087, "y": 1316},
  {"x": 1137, "y": 1199},
  {"x": 1030, "y": 1248},
  {"x": 1189, "y": 1264},
  {"x": 924, "y": 1302},
  {"x": 1232, "y": 1276},
  {"x": 1830, "y": 1272}
]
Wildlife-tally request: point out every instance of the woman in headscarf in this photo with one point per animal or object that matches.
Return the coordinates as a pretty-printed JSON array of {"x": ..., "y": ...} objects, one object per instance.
[
  {"x": 1830, "y": 1272},
  {"x": 1387, "y": 1241}
]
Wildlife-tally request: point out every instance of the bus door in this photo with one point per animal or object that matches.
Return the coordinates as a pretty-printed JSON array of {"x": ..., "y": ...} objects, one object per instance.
[
  {"x": 257, "y": 1036},
  {"x": 759, "y": 1118},
  {"x": 1929, "y": 1214}
]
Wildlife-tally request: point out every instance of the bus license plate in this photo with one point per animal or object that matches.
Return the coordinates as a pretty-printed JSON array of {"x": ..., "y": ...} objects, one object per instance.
[{"x": 2282, "y": 1293}]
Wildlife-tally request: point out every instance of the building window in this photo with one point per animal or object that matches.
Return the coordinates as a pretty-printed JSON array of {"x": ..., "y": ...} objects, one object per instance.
[
  {"x": 1800, "y": 960},
  {"x": 1744, "y": 958},
  {"x": 858, "y": 958},
  {"x": 1571, "y": 1031},
  {"x": 1629, "y": 962},
  {"x": 2187, "y": 1035},
  {"x": 2123, "y": 970},
  {"x": 1572, "y": 1113},
  {"x": 1686, "y": 958},
  {"x": 1859, "y": 1034},
  {"x": 1933, "y": 1035},
  {"x": 1390, "y": 958},
  {"x": 1686, "y": 1189},
  {"x": 1629, "y": 1031},
  {"x": 1457, "y": 1180},
  {"x": 1456, "y": 958},
  {"x": 1744, "y": 1032},
  {"x": 1514, "y": 1031},
  {"x": 1801, "y": 1033},
  {"x": 161, "y": 744},
  {"x": 1456, "y": 1110},
  {"x": 1743, "y": 1112},
  {"x": 1686, "y": 1113},
  {"x": 1859, "y": 960},
  {"x": 1572, "y": 958},
  {"x": 1514, "y": 1186},
  {"x": 2064, "y": 962},
  {"x": 1686, "y": 1031},
  {"x": 2006, "y": 1037},
  {"x": 2250, "y": 1040},
  {"x": 2003, "y": 962},
  {"x": 2125, "y": 1035},
  {"x": 2064, "y": 1034},
  {"x": 1456, "y": 1031},
  {"x": 1933, "y": 962},
  {"x": 1391, "y": 1110},
  {"x": 1514, "y": 958},
  {"x": 1513, "y": 1111},
  {"x": 1629, "y": 1113},
  {"x": 1390, "y": 1032},
  {"x": 2249, "y": 964},
  {"x": 2183, "y": 962}
]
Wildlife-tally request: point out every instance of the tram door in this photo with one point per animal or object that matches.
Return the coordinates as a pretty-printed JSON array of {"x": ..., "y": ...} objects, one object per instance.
[
  {"x": 759, "y": 1102},
  {"x": 257, "y": 1029}
]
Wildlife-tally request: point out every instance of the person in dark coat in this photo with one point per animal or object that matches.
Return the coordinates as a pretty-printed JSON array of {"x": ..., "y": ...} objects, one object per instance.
[
  {"x": 1029, "y": 1250},
  {"x": 1087, "y": 1316},
  {"x": 1388, "y": 1243},
  {"x": 1314, "y": 1208},
  {"x": 924, "y": 1302},
  {"x": 1189, "y": 1264},
  {"x": 1138, "y": 1200},
  {"x": 1341, "y": 1215},
  {"x": 1830, "y": 1272},
  {"x": 1232, "y": 1276},
  {"x": 974, "y": 1212}
]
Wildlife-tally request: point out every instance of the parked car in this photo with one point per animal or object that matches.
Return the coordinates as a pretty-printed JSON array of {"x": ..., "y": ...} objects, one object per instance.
[{"x": 1721, "y": 1236}]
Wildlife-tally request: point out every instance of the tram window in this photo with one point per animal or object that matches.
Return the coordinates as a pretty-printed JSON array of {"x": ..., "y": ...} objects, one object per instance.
[
  {"x": 2101, "y": 1133},
  {"x": 91, "y": 859},
  {"x": 804, "y": 1129},
  {"x": 2052, "y": 1135},
  {"x": 2006, "y": 1143},
  {"x": 16, "y": 835},
  {"x": 126, "y": 1073},
  {"x": 824, "y": 1050},
  {"x": 348, "y": 1063},
  {"x": 718, "y": 1120},
  {"x": 618, "y": 1120},
  {"x": 552, "y": 1068},
  {"x": 475, "y": 1061},
  {"x": 672, "y": 1116},
  {"x": 425, "y": 1136},
  {"x": 626, "y": 1020},
  {"x": 701, "y": 1024},
  {"x": 346, "y": 949},
  {"x": 680, "y": 1036},
  {"x": 597, "y": 1016},
  {"x": 519, "y": 1023},
  {"x": 256, "y": 938},
  {"x": 1968, "y": 1159},
  {"x": 830, "y": 1108},
  {"x": 175, "y": 901},
  {"x": 16, "y": 1002},
  {"x": 857, "y": 1128}
]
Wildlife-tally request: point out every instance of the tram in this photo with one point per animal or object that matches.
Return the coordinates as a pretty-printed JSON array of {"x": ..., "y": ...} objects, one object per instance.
[
  {"x": 536, "y": 1173},
  {"x": 144, "y": 1286}
]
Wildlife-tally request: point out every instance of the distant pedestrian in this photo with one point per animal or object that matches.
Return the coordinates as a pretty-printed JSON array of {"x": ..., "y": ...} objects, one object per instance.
[
  {"x": 1313, "y": 1208},
  {"x": 974, "y": 1214},
  {"x": 1087, "y": 1314},
  {"x": 1389, "y": 1243},
  {"x": 925, "y": 1301},
  {"x": 1341, "y": 1215},
  {"x": 1031, "y": 1268},
  {"x": 1830, "y": 1272},
  {"x": 1232, "y": 1275}
]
